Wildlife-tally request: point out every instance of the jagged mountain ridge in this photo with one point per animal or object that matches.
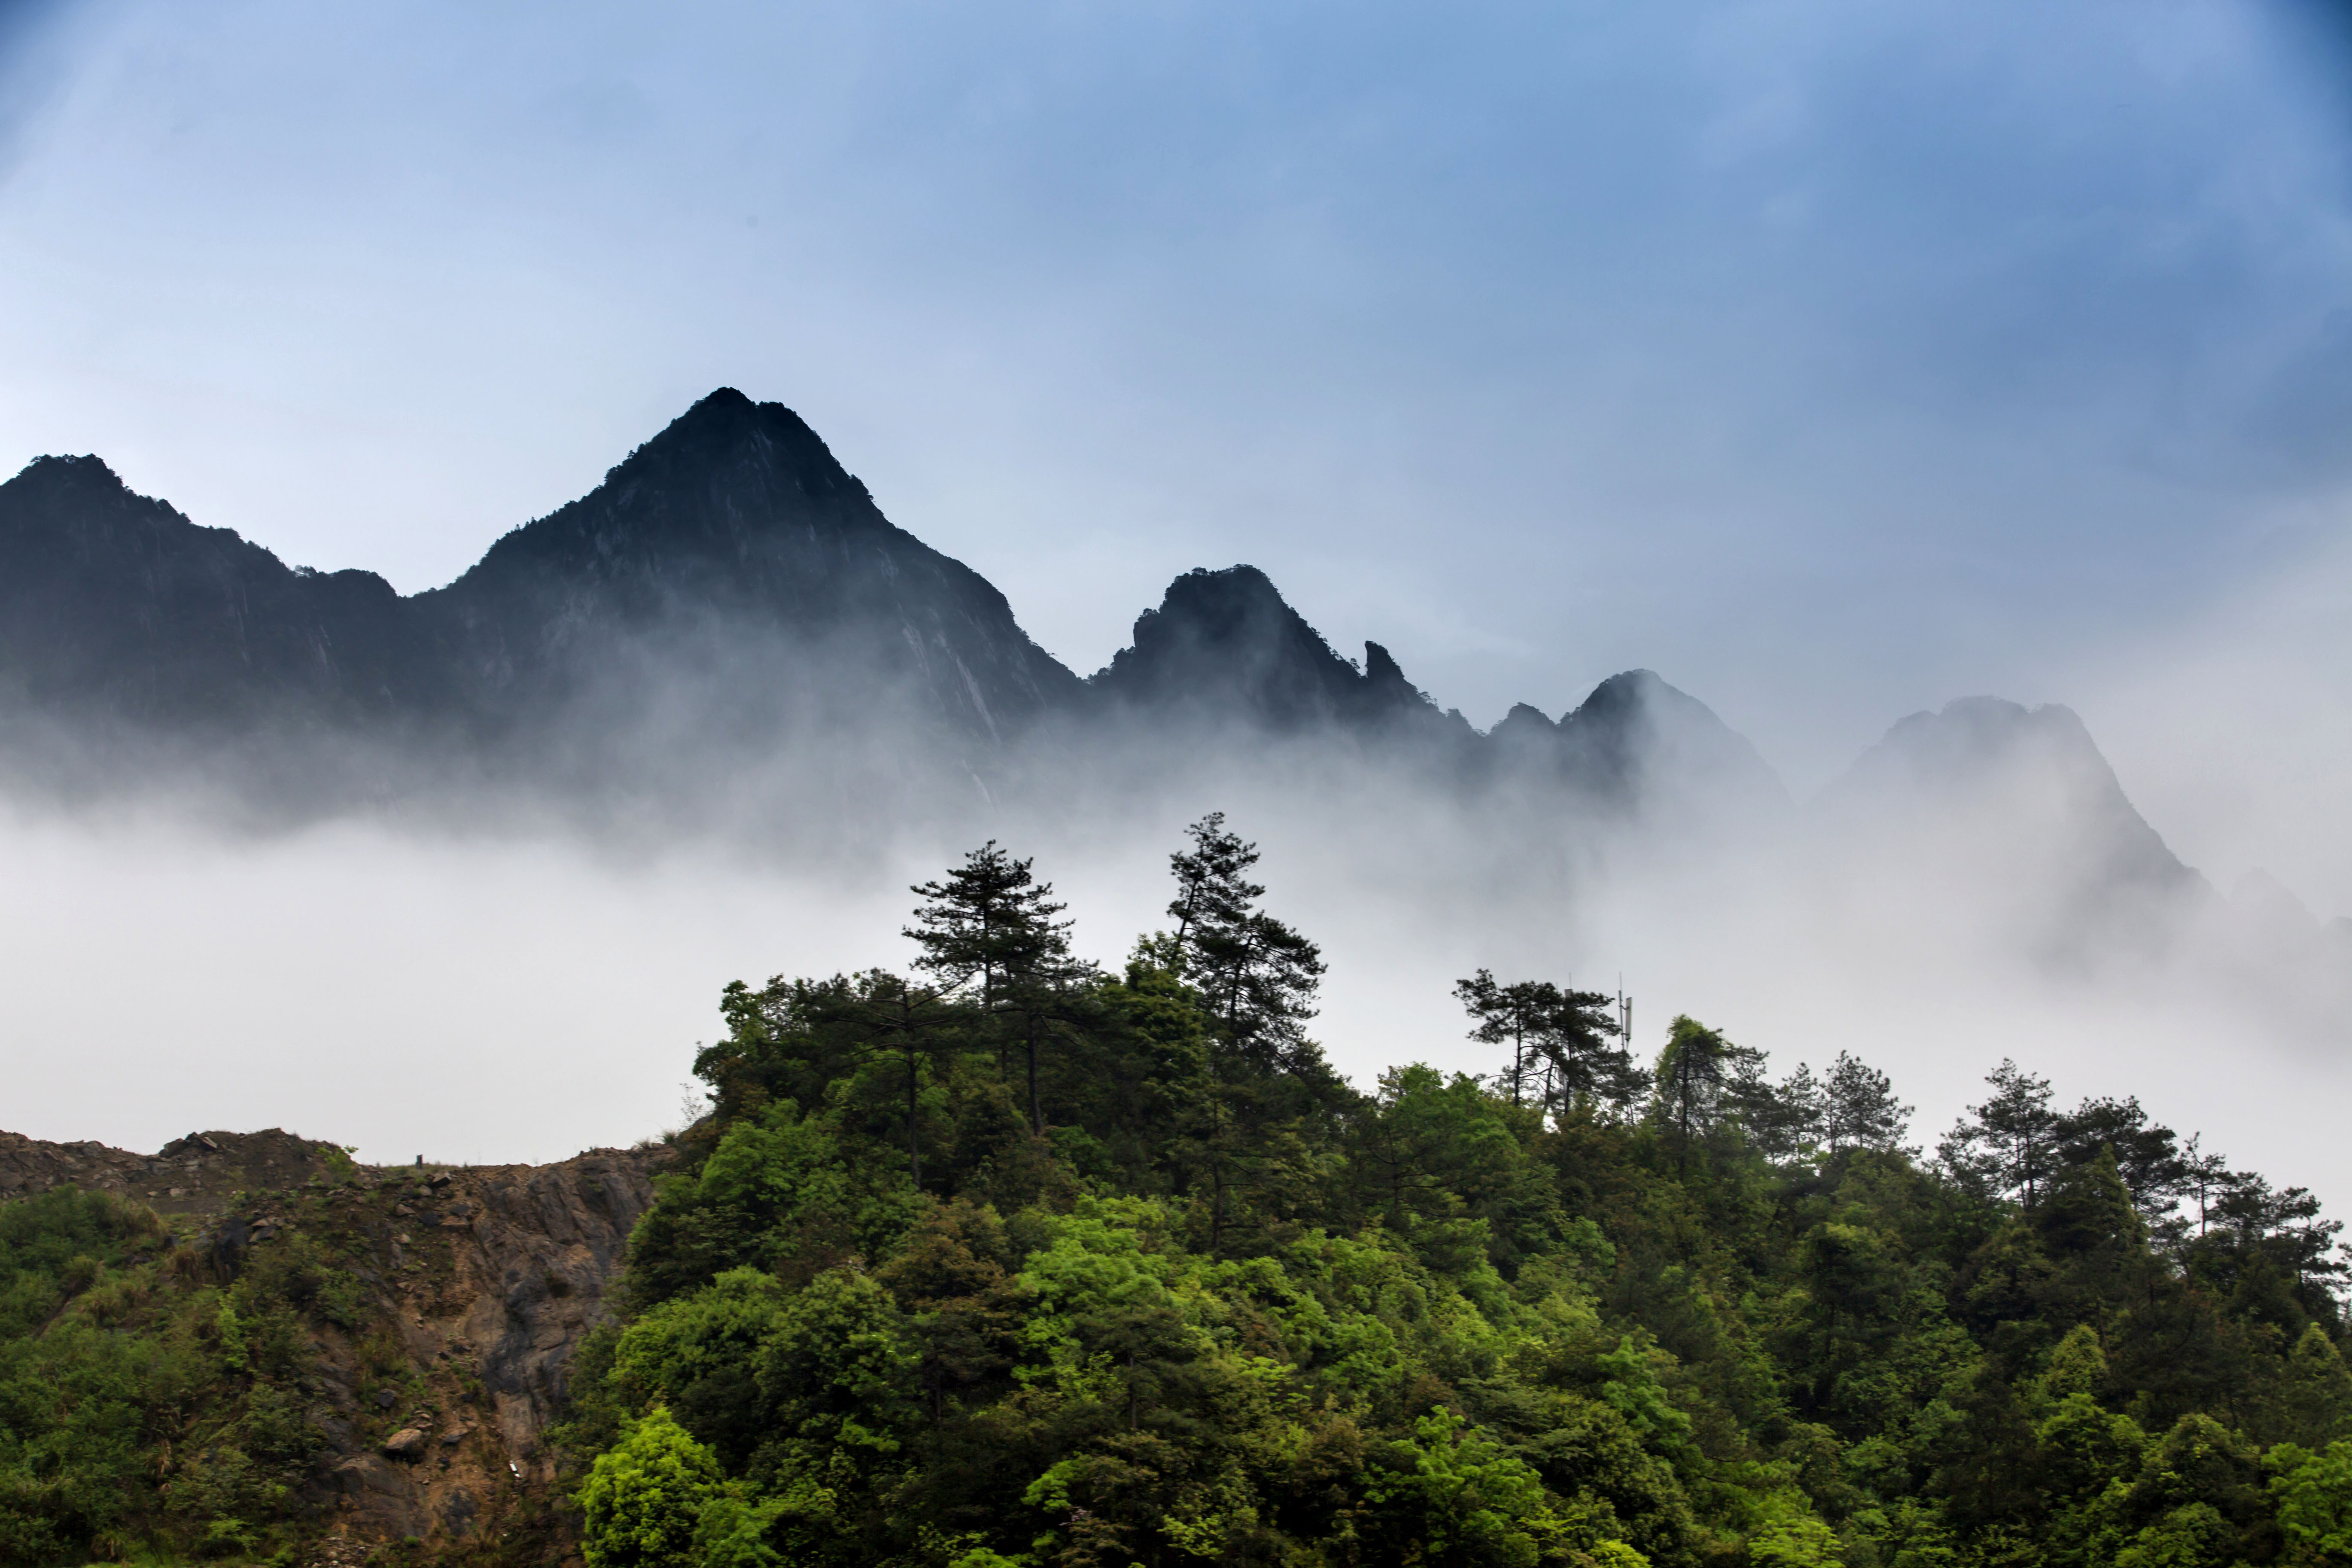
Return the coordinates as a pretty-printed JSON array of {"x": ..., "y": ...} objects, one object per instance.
[
  {"x": 731, "y": 586},
  {"x": 734, "y": 535},
  {"x": 1228, "y": 644},
  {"x": 114, "y": 606},
  {"x": 729, "y": 578},
  {"x": 738, "y": 522}
]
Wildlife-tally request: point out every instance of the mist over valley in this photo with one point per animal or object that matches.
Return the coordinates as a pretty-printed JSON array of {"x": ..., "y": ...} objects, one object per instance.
[{"x": 499, "y": 843}]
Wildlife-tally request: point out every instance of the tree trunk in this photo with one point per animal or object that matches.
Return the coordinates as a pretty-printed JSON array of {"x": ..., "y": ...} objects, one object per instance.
[
  {"x": 1036, "y": 1116},
  {"x": 914, "y": 1145}
]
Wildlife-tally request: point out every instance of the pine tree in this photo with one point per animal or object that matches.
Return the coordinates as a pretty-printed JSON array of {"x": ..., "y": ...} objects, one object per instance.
[
  {"x": 1695, "y": 1078},
  {"x": 1261, "y": 977},
  {"x": 1584, "y": 1064},
  {"x": 1255, "y": 980},
  {"x": 2148, "y": 1153},
  {"x": 1258, "y": 976},
  {"x": 1567, "y": 1033},
  {"x": 1859, "y": 1109},
  {"x": 1783, "y": 1120},
  {"x": 1211, "y": 890},
  {"x": 1512, "y": 1013},
  {"x": 2206, "y": 1175},
  {"x": 2009, "y": 1145},
  {"x": 991, "y": 920}
]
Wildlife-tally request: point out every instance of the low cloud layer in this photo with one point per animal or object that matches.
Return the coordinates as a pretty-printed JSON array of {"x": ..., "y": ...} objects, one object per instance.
[{"x": 471, "y": 987}]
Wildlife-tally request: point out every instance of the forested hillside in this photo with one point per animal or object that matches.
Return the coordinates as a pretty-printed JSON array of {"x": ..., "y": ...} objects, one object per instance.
[
  {"x": 248, "y": 1349},
  {"x": 1010, "y": 1260}
]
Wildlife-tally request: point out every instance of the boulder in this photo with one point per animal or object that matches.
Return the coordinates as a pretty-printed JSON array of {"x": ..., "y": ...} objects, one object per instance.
[{"x": 406, "y": 1443}]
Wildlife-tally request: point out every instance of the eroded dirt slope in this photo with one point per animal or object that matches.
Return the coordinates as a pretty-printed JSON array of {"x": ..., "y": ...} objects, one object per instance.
[{"x": 481, "y": 1283}]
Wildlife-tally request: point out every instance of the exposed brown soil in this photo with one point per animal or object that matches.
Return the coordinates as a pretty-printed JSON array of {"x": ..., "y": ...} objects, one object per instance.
[{"x": 484, "y": 1280}]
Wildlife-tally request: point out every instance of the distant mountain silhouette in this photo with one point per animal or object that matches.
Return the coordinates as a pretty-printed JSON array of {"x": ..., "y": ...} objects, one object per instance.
[
  {"x": 731, "y": 611},
  {"x": 115, "y": 607},
  {"x": 1227, "y": 647},
  {"x": 1636, "y": 739},
  {"x": 2033, "y": 772},
  {"x": 2014, "y": 812},
  {"x": 728, "y": 588},
  {"x": 733, "y": 551}
]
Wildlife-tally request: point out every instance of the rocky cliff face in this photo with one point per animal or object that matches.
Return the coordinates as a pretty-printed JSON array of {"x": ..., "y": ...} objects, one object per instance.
[
  {"x": 491, "y": 1277},
  {"x": 1226, "y": 647},
  {"x": 479, "y": 1284},
  {"x": 733, "y": 562},
  {"x": 203, "y": 1173},
  {"x": 114, "y": 606}
]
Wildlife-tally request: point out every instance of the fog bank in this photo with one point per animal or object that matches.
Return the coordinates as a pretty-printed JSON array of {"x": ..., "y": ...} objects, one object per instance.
[{"x": 417, "y": 987}]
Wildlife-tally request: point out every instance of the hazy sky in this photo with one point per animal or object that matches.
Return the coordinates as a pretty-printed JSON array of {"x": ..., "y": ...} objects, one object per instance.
[{"x": 1834, "y": 358}]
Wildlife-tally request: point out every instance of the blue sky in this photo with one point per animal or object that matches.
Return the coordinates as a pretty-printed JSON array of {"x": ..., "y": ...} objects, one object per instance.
[{"x": 1833, "y": 357}]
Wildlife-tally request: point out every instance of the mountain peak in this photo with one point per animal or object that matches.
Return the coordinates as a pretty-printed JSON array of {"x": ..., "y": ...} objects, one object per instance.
[
  {"x": 1227, "y": 642},
  {"x": 84, "y": 480},
  {"x": 2015, "y": 791},
  {"x": 726, "y": 480},
  {"x": 89, "y": 465},
  {"x": 1637, "y": 739},
  {"x": 1971, "y": 741},
  {"x": 736, "y": 529},
  {"x": 728, "y": 436}
]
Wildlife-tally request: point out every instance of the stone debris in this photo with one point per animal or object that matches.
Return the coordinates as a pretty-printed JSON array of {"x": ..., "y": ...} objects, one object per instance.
[
  {"x": 518, "y": 1277},
  {"x": 199, "y": 1173}
]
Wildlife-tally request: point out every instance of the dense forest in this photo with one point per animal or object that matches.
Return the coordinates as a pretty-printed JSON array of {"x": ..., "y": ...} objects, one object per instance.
[
  {"x": 1013, "y": 1261},
  {"x": 1009, "y": 1261}
]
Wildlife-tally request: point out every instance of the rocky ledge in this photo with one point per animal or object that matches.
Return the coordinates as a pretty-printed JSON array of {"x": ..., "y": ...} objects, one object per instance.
[{"x": 481, "y": 1283}]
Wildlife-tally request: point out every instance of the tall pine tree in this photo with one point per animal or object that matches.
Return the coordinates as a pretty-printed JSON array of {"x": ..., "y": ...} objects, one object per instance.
[{"x": 991, "y": 920}]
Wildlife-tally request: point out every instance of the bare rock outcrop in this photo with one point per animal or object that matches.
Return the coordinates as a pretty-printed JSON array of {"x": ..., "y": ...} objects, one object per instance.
[
  {"x": 202, "y": 1173},
  {"x": 490, "y": 1278},
  {"x": 480, "y": 1284}
]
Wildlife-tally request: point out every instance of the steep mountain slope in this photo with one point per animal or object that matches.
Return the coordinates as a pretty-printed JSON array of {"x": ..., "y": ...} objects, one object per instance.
[
  {"x": 1224, "y": 650},
  {"x": 115, "y": 607},
  {"x": 1227, "y": 647},
  {"x": 1636, "y": 742},
  {"x": 731, "y": 561},
  {"x": 2008, "y": 817}
]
